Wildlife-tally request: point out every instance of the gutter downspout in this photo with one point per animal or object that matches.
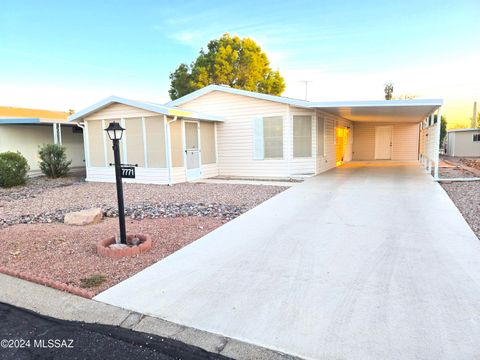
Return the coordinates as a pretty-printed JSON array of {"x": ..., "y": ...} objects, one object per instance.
[{"x": 168, "y": 147}]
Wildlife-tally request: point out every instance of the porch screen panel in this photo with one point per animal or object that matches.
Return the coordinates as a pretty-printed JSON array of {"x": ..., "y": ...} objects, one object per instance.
[
  {"x": 302, "y": 136},
  {"x": 321, "y": 136},
  {"x": 95, "y": 143},
  {"x": 134, "y": 138},
  {"x": 207, "y": 142},
  {"x": 155, "y": 131},
  {"x": 273, "y": 137}
]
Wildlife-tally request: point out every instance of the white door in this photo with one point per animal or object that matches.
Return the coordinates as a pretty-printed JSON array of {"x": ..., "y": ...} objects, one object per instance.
[
  {"x": 383, "y": 143},
  {"x": 192, "y": 150}
]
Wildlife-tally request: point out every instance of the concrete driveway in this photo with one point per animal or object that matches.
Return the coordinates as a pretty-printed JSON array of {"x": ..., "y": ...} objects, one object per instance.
[{"x": 361, "y": 262}]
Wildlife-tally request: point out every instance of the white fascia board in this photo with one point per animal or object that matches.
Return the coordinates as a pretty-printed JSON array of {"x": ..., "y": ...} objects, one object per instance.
[
  {"x": 159, "y": 109},
  {"x": 377, "y": 103}
]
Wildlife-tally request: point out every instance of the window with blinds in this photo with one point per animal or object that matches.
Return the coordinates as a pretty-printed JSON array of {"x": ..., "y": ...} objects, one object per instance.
[
  {"x": 273, "y": 137},
  {"x": 302, "y": 136}
]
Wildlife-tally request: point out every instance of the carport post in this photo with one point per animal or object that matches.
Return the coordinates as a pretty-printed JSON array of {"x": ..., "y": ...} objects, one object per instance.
[{"x": 437, "y": 142}]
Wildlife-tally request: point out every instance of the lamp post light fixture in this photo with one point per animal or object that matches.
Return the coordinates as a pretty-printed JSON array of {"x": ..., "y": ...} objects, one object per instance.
[{"x": 115, "y": 133}]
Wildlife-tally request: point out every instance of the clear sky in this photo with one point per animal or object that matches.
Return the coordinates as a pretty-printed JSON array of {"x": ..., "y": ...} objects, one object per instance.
[{"x": 68, "y": 54}]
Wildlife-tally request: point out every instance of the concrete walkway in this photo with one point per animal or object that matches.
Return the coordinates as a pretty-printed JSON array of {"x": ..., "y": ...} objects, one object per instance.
[{"x": 362, "y": 262}]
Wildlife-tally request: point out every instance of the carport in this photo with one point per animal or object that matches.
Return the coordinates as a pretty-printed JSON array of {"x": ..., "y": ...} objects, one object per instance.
[{"x": 397, "y": 130}]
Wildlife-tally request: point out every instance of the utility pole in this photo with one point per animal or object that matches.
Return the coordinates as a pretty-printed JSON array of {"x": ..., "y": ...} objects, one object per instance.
[
  {"x": 306, "y": 88},
  {"x": 474, "y": 117}
]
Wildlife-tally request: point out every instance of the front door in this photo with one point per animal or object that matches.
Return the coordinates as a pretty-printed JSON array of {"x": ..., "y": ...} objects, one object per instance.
[
  {"x": 383, "y": 143},
  {"x": 192, "y": 150},
  {"x": 341, "y": 141}
]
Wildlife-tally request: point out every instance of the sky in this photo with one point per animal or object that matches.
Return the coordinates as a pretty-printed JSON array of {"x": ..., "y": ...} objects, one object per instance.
[{"x": 61, "y": 55}]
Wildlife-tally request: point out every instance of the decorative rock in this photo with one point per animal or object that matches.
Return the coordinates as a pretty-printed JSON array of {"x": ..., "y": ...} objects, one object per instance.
[{"x": 84, "y": 217}]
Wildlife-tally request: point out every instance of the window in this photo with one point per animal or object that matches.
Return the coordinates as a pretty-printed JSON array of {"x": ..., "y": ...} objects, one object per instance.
[
  {"x": 321, "y": 136},
  {"x": 476, "y": 137},
  {"x": 302, "y": 136},
  {"x": 273, "y": 137}
]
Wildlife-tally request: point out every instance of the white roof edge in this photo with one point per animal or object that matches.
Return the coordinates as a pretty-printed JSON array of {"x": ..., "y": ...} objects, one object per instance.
[
  {"x": 303, "y": 103},
  {"x": 380, "y": 103},
  {"x": 469, "y": 129},
  {"x": 160, "y": 109},
  {"x": 209, "y": 88}
]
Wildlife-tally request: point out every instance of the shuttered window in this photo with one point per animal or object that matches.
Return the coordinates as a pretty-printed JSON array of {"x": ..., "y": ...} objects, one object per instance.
[
  {"x": 268, "y": 138},
  {"x": 273, "y": 137},
  {"x": 321, "y": 136},
  {"x": 302, "y": 136}
]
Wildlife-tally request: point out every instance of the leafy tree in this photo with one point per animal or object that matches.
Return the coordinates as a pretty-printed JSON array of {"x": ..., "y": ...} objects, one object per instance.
[
  {"x": 443, "y": 130},
  {"x": 238, "y": 63},
  {"x": 53, "y": 160},
  {"x": 388, "y": 91}
]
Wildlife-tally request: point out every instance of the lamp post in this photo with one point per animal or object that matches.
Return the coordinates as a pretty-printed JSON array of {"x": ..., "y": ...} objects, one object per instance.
[{"x": 115, "y": 132}]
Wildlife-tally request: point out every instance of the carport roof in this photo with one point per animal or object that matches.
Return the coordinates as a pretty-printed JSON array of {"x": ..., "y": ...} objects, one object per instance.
[{"x": 414, "y": 110}]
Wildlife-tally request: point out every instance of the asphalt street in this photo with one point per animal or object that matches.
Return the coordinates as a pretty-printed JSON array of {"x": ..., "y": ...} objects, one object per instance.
[{"x": 27, "y": 335}]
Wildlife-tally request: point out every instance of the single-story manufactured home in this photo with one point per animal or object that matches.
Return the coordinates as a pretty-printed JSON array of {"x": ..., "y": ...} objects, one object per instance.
[
  {"x": 25, "y": 130},
  {"x": 463, "y": 142},
  {"x": 219, "y": 130}
]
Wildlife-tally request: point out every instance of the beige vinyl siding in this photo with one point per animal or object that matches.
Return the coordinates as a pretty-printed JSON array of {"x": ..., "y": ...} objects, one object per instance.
[
  {"x": 404, "y": 141},
  {"x": 235, "y": 135},
  {"x": 96, "y": 136},
  {"x": 134, "y": 139},
  {"x": 207, "y": 138},
  {"x": 176, "y": 145},
  {"x": 117, "y": 111},
  {"x": 320, "y": 136},
  {"x": 155, "y": 134}
]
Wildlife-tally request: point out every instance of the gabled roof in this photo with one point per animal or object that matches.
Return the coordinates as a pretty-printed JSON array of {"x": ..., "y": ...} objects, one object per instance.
[
  {"x": 414, "y": 110},
  {"x": 156, "y": 108},
  {"x": 209, "y": 88}
]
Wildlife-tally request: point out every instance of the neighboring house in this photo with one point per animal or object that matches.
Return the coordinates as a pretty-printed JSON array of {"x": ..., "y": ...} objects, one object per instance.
[
  {"x": 255, "y": 135},
  {"x": 463, "y": 142},
  {"x": 25, "y": 130}
]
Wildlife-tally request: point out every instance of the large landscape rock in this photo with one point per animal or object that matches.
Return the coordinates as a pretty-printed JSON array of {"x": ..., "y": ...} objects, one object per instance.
[{"x": 84, "y": 217}]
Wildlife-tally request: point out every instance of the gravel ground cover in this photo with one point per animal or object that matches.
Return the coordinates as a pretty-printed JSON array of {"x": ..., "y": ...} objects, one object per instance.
[
  {"x": 34, "y": 240},
  {"x": 45, "y": 205},
  {"x": 465, "y": 195},
  {"x": 67, "y": 253}
]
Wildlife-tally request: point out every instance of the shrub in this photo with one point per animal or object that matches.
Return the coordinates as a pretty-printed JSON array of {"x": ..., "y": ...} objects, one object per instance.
[
  {"x": 13, "y": 169},
  {"x": 93, "y": 281},
  {"x": 54, "y": 163}
]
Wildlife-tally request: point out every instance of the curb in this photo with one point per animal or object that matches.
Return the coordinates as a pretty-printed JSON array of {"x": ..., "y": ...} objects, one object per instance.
[
  {"x": 63, "y": 305},
  {"x": 47, "y": 282}
]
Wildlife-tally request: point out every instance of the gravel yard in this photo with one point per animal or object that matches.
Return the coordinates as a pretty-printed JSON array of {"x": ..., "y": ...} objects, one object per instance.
[
  {"x": 39, "y": 203},
  {"x": 465, "y": 195},
  {"x": 34, "y": 240}
]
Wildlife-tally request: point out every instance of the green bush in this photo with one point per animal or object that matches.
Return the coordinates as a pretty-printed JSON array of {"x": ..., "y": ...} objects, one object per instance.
[
  {"x": 53, "y": 160},
  {"x": 13, "y": 169}
]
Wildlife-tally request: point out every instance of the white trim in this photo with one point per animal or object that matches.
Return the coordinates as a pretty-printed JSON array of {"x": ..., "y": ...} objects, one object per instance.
[
  {"x": 168, "y": 149},
  {"x": 59, "y": 129},
  {"x": 437, "y": 142},
  {"x": 144, "y": 134},
  {"x": 86, "y": 144},
  {"x": 124, "y": 142},
  {"x": 216, "y": 143},
  {"x": 55, "y": 134},
  {"x": 105, "y": 146}
]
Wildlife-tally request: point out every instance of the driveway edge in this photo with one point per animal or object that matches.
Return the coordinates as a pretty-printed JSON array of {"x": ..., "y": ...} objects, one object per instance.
[{"x": 59, "y": 304}]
